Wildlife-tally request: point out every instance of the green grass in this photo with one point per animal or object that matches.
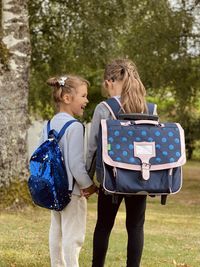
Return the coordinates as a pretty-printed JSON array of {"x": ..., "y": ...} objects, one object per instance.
[{"x": 172, "y": 232}]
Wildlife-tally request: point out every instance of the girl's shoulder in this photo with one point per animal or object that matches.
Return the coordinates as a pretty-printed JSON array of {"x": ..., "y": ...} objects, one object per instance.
[
  {"x": 59, "y": 120},
  {"x": 102, "y": 106},
  {"x": 102, "y": 111}
]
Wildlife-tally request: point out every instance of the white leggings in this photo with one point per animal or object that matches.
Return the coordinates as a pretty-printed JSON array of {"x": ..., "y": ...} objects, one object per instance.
[{"x": 67, "y": 233}]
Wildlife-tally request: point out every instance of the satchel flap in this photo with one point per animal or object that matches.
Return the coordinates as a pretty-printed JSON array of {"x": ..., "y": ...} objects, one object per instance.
[{"x": 129, "y": 145}]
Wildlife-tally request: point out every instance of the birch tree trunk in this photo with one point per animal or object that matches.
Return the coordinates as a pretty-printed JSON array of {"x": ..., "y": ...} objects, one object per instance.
[{"x": 14, "y": 92}]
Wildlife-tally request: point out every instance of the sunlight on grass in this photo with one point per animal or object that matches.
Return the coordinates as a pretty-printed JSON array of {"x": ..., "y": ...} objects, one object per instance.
[{"x": 172, "y": 232}]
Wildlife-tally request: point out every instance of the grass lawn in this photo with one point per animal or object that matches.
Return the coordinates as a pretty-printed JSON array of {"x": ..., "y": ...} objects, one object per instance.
[{"x": 172, "y": 232}]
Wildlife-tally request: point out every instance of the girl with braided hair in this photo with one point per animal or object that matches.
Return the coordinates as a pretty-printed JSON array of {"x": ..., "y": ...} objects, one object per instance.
[{"x": 122, "y": 81}]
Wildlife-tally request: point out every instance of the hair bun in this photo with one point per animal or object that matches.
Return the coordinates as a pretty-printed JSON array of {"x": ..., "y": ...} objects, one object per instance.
[
  {"x": 53, "y": 82},
  {"x": 58, "y": 82}
]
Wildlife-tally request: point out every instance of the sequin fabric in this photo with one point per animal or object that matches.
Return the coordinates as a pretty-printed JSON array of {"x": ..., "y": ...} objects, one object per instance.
[{"x": 48, "y": 182}]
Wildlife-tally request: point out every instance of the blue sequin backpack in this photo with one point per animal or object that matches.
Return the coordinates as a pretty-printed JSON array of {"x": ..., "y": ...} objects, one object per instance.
[
  {"x": 139, "y": 155},
  {"x": 48, "y": 181}
]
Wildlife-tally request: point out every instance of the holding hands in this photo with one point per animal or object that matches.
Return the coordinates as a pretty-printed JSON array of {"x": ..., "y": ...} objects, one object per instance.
[{"x": 87, "y": 192}]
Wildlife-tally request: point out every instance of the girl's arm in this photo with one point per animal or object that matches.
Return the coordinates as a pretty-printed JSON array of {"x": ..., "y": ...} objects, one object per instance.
[
  {"x": 75, "y": 155},
  {"x": 101, "y": 112}
]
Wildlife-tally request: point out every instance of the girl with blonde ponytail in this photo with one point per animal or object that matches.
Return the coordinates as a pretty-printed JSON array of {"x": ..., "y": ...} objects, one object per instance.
[
  {"x": 132, "y": 89},
  {"x": 122, "y": 81}
]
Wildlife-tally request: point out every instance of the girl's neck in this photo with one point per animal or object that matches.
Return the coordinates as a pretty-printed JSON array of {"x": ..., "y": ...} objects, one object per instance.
[
  {"x": 118, "y": 91},
  {"x": 65, "y": 109},
  {"x": 115, "y": 88}
]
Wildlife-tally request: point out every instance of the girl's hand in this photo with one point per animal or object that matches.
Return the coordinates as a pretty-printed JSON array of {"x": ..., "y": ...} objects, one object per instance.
[{"x": 87, "y": 192}]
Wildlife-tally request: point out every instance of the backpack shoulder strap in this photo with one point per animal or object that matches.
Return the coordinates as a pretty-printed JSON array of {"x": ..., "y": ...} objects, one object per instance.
[
  {"x": 48, "y": 127},
  {"x": 62, "y": 131},
  {"x": 151, "y": 108},
  {"x": 114, "y": 106}
]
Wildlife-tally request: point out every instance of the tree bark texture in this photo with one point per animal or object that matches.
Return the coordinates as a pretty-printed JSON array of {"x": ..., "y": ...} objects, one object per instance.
[{"x": 14, "y": 92}]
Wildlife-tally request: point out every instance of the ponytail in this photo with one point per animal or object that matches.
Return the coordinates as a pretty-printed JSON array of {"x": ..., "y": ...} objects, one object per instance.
[{"x": 133, "y": 91}]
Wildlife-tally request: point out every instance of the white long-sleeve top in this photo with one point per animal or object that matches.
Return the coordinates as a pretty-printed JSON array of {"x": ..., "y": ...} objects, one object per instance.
[{"x": 72, "y": 148}]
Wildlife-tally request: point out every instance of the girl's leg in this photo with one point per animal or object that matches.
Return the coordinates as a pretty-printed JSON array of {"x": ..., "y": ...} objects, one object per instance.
[
  {"x": 55, "y": 240},
  {"x": 73, "y": 229},
  {"x": 135, "y": 217},
  {"x": 106, "y": 214}
]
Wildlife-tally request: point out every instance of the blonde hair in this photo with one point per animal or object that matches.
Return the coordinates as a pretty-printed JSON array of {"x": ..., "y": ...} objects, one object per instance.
[
  {"x": 133, "y": 91},
  {"x": 66, "y": 84}
]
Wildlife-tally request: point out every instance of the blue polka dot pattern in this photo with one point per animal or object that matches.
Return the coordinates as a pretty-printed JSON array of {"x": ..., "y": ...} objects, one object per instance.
[
  {"x": 144, "y": 133},
  {"x": 157, "y": 133},
  {"x": 110, "y": 139},
  {"x": 111, "y": 153},
  {"x": 176, "y": 140},
  {"x": 130, "y": 133},
  {"x": 171, "y": 147},
  {"x": 118, "y": 146},
  {"x": 130, "y": 147},
  {"x": 121, "y": 139},
  {"x": 116, "y": 133},
  {"x": 158, "y": 146},
  {"x": 132, "y": 160},
  {"x": 158, "y": 160},
  {"x": 125, "y": 153}
]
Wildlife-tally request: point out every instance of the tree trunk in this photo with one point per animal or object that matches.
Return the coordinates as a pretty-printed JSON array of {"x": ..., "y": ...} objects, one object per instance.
[{"x": 14, "y": 92}]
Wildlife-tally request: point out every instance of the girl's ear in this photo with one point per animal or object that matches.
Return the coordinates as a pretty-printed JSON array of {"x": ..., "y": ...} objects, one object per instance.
[
  {"x": 67, "y": 98},
  {"x": 108, "y": 83}
]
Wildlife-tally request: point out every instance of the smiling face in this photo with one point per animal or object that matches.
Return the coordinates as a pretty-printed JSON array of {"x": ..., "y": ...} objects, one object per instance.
[
  {"x": 79, "y": 100},
  {"x": 75, "y": 103}
]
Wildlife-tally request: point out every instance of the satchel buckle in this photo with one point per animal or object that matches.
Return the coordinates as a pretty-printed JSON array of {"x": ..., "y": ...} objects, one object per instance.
[{"x": 146, "y": 170}]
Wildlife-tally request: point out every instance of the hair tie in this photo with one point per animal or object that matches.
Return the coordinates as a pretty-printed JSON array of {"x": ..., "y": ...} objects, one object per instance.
[
  {"x": 122, "y": 71},
  {"x": 62, "y": 80}
]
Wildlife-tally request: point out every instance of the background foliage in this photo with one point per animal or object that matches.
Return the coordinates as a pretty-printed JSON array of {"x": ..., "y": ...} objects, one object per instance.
[{"x": 162, "y": 37}]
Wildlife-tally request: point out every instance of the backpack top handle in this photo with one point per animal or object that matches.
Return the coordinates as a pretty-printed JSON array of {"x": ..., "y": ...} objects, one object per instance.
[{"x": 114, "y": 106}]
